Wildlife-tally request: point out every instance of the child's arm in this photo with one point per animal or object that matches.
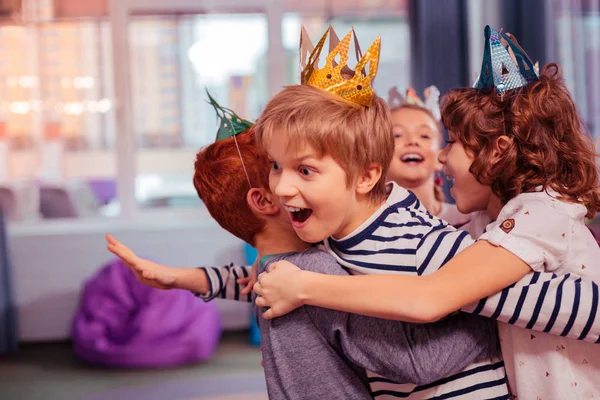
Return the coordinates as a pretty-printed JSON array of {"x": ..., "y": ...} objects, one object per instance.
[
  {"x": 405, "y": 353},
  {"x": 229, "y": 282},
  {"x": 207, "y": 282},
  {"x": 428, "y": 298},
  {"x": 564, "y": 305},
  {"x": 481, "y": 270}
]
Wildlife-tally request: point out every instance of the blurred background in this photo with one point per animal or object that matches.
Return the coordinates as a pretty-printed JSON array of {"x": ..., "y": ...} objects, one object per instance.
[{"x": 102, "y": 110}]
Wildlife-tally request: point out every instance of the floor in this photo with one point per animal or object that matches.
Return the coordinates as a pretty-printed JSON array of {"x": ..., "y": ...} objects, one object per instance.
[{"x": 48, "y": 371}]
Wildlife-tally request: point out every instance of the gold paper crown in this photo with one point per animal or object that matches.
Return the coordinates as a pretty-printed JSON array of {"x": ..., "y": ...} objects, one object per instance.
[{"x": 338, "y": 78}]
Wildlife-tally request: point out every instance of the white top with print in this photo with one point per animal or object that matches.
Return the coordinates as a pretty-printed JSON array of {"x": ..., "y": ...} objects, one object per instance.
[{"x": 550, "y": 235}]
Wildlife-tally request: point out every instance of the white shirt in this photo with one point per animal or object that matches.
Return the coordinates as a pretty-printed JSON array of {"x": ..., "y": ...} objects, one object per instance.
[{"x": 550, "y": 236}]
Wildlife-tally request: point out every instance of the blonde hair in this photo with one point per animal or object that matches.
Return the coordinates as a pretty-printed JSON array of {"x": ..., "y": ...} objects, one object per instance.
[
  {"x": 438, "y": 190},
  {"x": 353, "y": 135}
]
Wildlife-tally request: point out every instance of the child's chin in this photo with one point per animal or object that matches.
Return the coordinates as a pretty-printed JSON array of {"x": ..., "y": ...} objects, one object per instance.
[
  {"x": 310, "y": 237},
  {"x": 463, "y": 207}
]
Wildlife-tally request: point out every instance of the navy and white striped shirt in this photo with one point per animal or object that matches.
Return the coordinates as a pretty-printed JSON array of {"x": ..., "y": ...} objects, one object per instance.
[
  {"x": 403, "y": 238},
  {"x": 223, "y": 283}
]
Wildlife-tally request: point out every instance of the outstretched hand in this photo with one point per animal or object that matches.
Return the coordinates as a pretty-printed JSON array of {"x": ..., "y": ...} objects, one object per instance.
[{"x": 148, "y": 272}]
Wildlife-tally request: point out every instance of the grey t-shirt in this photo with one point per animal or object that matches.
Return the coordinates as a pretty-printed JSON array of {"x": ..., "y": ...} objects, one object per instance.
[{"x": 316, "y": 352}]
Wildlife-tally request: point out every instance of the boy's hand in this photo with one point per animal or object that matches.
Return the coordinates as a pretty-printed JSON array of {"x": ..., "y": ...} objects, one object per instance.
[
  {"x": 250, "y": 280},
  {"x": 148, "y": 272},
  {"x": 280, "y": 289}
]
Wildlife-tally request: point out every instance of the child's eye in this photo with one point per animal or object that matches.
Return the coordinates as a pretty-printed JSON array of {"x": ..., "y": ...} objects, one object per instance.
[
  {"x": 397, "y": 136},
  {"x": 305, "y": 171},
  {"x": 425, "y": 137},
  {"x": 275, "y": 166},
  {"x": 450, "y": 142}
]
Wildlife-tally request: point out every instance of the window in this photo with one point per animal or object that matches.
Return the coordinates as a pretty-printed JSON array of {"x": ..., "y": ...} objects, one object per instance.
[
  {"x": 58, "y": 126},
  {"x": 174, "y": 60},
  {"x": 56, "y": 120}
]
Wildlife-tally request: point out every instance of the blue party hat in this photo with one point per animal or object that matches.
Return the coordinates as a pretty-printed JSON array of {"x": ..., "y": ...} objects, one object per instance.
[{"x": 505, "y": 64}]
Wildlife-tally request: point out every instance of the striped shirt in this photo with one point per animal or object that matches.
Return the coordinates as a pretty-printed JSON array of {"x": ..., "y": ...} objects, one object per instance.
[
  {"x": 403, "y": 238},
  {"x": 223, "y": 283}
]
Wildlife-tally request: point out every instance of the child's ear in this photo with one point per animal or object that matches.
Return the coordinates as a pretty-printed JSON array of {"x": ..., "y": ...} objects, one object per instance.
[
  {"x": 369, "y": 178},
  {"x": 502, "y": 144},
  {"x": 261, "y": 201}
]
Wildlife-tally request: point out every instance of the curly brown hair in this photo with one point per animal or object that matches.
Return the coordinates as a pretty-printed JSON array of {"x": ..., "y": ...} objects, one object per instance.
[{"x": 549, "y": 144}]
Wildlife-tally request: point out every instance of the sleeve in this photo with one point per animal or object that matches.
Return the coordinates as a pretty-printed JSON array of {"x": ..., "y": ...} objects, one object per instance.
[
  {"x": 564, "y": 305},
  {"x": 438, "y": 246},
  {"x": 535, "y": 230},
  {"x": 223, "y": 283},
  {"x": 407, "y": 353}
]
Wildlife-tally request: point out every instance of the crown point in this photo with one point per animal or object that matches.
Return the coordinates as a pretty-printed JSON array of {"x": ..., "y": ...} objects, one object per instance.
[{"x": 336, "y": 77}]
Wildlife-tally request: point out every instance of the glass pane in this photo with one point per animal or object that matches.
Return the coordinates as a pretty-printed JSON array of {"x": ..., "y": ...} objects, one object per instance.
[
  {"x": 56, "y": 120},
  {"x": 394, "y": 65},
  {"x": 18, "y": 87},
  {"x": 76, "y": 83},
  {"x": 174, "y": 59}
]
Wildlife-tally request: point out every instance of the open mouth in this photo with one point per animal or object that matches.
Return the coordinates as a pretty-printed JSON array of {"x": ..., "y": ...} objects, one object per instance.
[
  {"x": 412, "y": 158},
  {"x": 299, "y": 215}
]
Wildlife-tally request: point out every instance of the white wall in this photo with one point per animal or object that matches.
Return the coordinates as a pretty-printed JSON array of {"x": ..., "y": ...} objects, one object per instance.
[{"x": 51, "y": 261}]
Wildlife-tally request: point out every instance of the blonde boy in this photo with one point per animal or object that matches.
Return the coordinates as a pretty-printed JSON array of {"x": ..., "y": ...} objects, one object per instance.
[{"x": 329, "y": 157}]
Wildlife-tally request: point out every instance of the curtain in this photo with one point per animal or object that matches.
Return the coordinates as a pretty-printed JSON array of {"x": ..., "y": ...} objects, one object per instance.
[
  {"x": 576, "y": 27},
  {"x": 439, "y": 44},
  {"x": 8, "y": 325}
]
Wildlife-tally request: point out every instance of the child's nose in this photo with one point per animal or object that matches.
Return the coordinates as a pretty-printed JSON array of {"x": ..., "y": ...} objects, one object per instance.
[
  {"x": 411, "y": 140},
  {"x": 443, "y": 156},
  {"x": 285, "y": 186}
]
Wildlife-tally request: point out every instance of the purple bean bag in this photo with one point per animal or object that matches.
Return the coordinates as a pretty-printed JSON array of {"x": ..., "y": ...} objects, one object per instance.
[{"x": 121, "y": 322}]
